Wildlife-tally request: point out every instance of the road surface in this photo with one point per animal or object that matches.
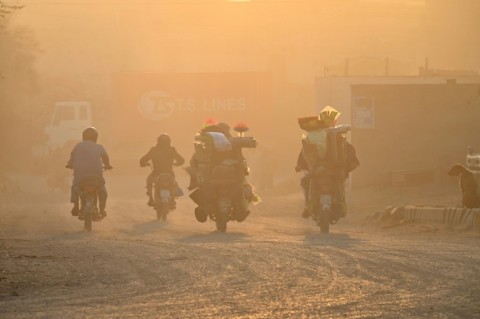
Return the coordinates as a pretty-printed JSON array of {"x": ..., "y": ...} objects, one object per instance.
[{"x": 273, "y": 265}]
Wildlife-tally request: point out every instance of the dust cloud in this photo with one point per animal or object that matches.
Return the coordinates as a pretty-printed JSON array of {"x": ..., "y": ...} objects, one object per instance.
[
  {"x": 140, "y": 68},
  {"x": 251, "y": 61}
]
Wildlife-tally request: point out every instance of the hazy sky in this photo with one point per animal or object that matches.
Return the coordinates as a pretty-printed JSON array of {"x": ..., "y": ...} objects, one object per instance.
[
  {"x": 302, "y": 38},
  {"x": 86, "y": 41},
  {"x": 209, "y": 35}
]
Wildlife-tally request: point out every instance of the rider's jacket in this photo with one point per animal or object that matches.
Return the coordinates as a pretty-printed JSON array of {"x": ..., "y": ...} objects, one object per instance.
[
  {"x": 163, "y": 159},
  {"x": 88, "y": 159}
]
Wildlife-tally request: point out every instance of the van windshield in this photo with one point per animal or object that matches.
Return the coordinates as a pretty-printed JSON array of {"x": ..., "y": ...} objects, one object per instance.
[
  {"x": 83, "y": 115},
  {"x": 64, "y": 113}
]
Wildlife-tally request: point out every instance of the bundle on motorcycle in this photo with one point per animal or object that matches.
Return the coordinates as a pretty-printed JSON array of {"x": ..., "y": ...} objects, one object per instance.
[{"x": 324, "y": 152}]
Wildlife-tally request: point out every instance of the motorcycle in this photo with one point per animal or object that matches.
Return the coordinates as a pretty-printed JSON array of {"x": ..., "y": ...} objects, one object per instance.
[
  {"x": 224, "y": 184},
  {"x": 221, "y": 191},
  {"x": 89, "y": 211},
  {"x": 326, "y": 183},
  {"x": 165, "y": 190},
  {"x": 323, "y": 204},
  {"x": 224, "y": 197},
  {"x": 163, "y": 195}
]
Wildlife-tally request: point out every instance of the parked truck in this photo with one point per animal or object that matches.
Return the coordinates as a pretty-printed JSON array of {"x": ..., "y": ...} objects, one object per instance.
[
  {"x": 64, "y": 130},
  {"x": 69, "y": 119}
]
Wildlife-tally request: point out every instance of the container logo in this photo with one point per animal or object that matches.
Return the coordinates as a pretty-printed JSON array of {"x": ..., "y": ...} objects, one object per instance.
[{"x": 156, "y": 105}]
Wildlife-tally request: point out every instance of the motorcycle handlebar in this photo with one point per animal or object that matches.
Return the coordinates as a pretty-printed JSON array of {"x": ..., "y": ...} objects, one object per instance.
[{"x": 105, "y": 168}]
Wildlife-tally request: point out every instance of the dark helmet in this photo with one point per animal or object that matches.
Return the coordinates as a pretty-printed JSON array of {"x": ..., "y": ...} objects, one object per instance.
[
  {"x": 224, "y": 128},
  {"x": 90, "y": 134},
  {"x": 163, "y": 140}
]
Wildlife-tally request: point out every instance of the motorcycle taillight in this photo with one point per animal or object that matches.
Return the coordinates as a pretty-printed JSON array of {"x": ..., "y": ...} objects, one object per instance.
[
  {"x": 164, "y": 185},
  {"x": 90, "y": 188}
]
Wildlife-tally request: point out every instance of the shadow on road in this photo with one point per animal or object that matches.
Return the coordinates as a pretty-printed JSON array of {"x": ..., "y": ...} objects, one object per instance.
[
  {"x": 78, "y": 235},
  {"x": 336, "y": 240},
  {"x": 213, "y": 237},
  {"x": 148, "y": 227}
]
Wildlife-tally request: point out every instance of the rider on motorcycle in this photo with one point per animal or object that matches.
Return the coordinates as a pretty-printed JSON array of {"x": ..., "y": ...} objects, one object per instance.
[
  {"x": 88, "y": 159},
  {"x": 317, "y": 153},
  {"x": 163, "y": 157},
  {"x": 221, "y": 146}
]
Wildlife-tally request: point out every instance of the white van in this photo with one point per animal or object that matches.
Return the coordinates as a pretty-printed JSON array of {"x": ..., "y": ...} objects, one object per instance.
[{"x": 69, "y": 120}]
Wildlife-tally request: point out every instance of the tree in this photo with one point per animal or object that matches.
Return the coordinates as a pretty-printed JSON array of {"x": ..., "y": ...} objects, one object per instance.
[
  {"x": 17, "y": 84},
  {"x": 6, "y": 9}
]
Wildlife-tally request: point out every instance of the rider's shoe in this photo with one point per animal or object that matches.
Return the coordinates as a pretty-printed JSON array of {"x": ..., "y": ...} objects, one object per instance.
[
  {"x": 193, "y": 184},
  {"x": 75, "y": 211},
  {"x": 151, "y": 202},
  {"x": 305, "y": 213},
  {"x": 98, "y": 216},
  {"x": 201, "y": 214},
  {"x": 240, "y": 216}
]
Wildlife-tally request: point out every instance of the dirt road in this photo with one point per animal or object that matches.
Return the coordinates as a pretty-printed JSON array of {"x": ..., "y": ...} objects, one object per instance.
[{"x": 273, "y": 265}]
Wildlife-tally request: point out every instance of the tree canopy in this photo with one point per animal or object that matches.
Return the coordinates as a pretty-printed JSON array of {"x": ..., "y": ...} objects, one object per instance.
[{"x": 17, "y": 86}]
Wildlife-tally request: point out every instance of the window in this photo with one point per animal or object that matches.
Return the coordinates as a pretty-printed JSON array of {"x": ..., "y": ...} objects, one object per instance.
[
  {"x": 64, "y": 113},
  {"x": 83, "y": 112}
]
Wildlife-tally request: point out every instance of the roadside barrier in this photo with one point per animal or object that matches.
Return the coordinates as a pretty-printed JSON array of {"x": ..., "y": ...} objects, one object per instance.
[{"x": 444, "y": 215}]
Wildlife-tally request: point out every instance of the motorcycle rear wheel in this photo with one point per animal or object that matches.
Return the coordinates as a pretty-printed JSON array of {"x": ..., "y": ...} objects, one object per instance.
[
  {"x": 89, "y": 209},
  {"x": 221, "y": 217},
  {"x": 88, "y": 223},
  {"x": 324, "y": 220},
  {"x": 221, "y": 224},
  {"x": 162, "y": 212}
]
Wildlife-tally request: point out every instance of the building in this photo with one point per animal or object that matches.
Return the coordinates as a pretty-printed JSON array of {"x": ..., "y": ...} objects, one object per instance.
[{"x": 406, "y": 129}]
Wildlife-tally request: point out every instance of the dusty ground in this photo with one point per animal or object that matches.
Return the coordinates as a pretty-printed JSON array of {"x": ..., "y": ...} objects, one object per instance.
[{"x": 274, "y": 265}]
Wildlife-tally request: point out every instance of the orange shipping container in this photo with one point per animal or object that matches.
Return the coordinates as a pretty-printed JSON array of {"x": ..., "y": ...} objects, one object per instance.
[{"x": 147, "y": 104}]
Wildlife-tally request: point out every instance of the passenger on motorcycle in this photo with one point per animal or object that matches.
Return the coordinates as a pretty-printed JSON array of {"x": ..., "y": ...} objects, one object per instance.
[
  {"x": 163, "y": 156},
  {"x": 322, "y": 155},
  {"x": 88, "y": 159}
]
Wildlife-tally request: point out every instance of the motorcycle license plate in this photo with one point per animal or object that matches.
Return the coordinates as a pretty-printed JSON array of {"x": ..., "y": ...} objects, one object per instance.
[
  {"x": 326, "y": 199},
  {"x": 164, "y": 193}
]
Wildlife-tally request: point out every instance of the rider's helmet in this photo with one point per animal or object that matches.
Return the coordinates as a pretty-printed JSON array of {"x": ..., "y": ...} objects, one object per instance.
[
  {"x": 163, "y": 140},
  {"x": 90, "y": 134},
  {"x": 224, "y": 128}
]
